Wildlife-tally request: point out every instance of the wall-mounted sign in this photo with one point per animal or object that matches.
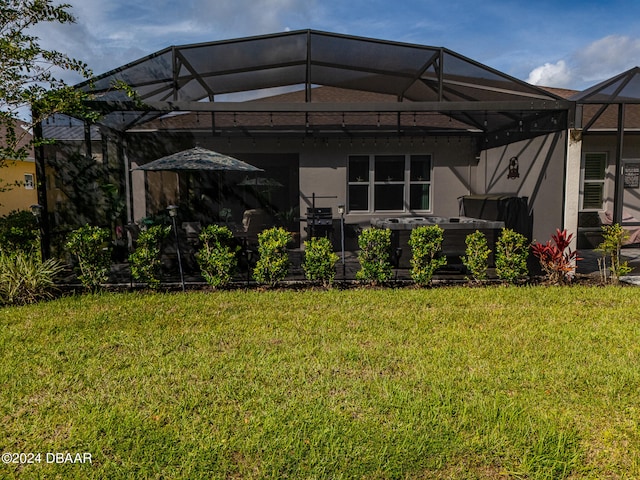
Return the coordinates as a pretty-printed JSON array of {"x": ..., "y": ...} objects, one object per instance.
[{"x": 632, "y": 175}]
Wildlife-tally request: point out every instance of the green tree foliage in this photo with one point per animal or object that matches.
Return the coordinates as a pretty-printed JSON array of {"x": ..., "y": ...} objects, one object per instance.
[
  {"x": 273, "y": 264},
  {"x": 217, "y": 255},
  {"x": 374, "y": 255},
  {"x": 91, "y": 246},
  {"x": 614, "y": 236},
  {"x": 512, "y": 251},
  {"x": 89, "y": 199},
  {"x": 145, "y": 260},
  {"x": 476, "y": 258},
  {"x": 18, "y": 232},
  {"x": 29, "y": 73},
  {"x": 426, "y": 247},
  {"x": 320, "y": 260}
]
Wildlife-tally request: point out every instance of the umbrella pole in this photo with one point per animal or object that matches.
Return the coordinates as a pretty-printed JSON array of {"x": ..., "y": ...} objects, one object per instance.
[{"x": 172, "y": 213}]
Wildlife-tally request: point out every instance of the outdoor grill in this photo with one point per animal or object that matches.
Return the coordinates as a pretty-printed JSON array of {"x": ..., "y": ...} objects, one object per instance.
[{"x": 319, "y": 222}]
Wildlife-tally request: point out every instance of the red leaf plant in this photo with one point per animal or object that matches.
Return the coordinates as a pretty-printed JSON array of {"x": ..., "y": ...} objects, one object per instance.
[{"x": 557, "y": 260}]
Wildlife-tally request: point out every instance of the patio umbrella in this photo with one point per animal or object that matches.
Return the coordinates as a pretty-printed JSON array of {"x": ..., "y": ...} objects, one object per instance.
[{"x": 199, "y": 158}]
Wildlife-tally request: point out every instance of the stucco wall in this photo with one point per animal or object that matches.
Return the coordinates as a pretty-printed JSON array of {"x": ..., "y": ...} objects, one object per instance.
[
  {"x": 541, "y": 163},
  {"x": 324, "y": 171},
  {"x": 457, "y": 171},
  {"x": 17, "y": 197},
  {"x": 606, "y": 143}
]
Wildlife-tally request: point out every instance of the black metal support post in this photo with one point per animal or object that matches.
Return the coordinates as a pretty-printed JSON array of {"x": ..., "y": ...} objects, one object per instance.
[
  {"x": 44, "y": 226},
  {"x": 619, "y": 179},
  {"x": 344, "y": 265},
  {"x": 248, "y": 253}
]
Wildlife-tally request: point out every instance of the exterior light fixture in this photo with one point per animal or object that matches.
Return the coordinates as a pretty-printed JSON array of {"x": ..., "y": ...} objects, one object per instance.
[
  {"x": 513, "y": 168},
  {"x": 173, "y": 210},
  {"x": 36, "y": 209},
  {"x": 344, "y": 267}
]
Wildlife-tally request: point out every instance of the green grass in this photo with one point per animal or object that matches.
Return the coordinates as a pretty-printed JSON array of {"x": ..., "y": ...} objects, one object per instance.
[{"x": 528, "y": 382}]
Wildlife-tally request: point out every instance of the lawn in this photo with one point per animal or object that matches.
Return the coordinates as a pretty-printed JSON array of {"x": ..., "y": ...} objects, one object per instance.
[{"x": 497, "y": 382}]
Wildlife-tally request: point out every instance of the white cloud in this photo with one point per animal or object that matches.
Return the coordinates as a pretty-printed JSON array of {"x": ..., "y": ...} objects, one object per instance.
[
  {"x": 112, "y": 33},
  {"x": 598, "y": 61},
  {"x": 551, "y": 74},
  {"x": 607, "y": 57}
]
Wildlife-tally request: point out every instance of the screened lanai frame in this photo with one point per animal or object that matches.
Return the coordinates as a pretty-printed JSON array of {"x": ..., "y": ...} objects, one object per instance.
[
  {"x": 282, "y": 85},
  {"x": 251, "y": 85},
  {"x": 614, "y": 97}
]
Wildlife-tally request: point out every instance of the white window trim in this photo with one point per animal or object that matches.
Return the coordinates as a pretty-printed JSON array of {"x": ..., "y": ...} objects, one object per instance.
[
  {"x": 603, "y": 182},
  {"x": 407, "y": 182},
  {"x": 31, "y": 184}
]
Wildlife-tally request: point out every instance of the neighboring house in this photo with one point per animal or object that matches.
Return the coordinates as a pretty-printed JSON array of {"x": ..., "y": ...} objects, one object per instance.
[
  {"x": 18, "y": 177},
  {"x": 388, "y": 129}
]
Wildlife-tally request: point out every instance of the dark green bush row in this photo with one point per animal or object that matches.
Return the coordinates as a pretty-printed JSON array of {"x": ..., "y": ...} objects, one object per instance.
[{"x": 25, "y": 278}]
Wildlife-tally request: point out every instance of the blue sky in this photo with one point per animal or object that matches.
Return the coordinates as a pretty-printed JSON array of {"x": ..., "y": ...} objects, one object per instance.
[{"x": 560, "y": 43}]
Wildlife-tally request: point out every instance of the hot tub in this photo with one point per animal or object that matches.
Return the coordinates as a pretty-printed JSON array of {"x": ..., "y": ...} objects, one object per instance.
[{"x": 455, "y": 229}]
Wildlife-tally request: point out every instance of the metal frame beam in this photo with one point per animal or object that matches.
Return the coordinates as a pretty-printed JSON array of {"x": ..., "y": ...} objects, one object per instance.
[{"x": 332, "y": 107}]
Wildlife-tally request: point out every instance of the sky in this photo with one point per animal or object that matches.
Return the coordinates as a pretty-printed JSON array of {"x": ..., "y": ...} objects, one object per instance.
[{"x": 558, "y": 43}]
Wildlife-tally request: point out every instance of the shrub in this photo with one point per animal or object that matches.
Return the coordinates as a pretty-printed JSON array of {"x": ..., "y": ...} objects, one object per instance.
[
  {"x": 18, "y": 232},
  {"x": 512, "y": 250},
  {"x": 217, "y": 257},
  {"x": 557, "y": 260},
  {"x": 374, "y": 255},
  {"x": 273, "y": 264},
  {"x": 145, "y": 260},
  {"x": 614, "y": 237},
  {"x": 91, "y": 247},
  {"x": 426, "y": 248},
  {"x": 319, "y": 260},
  {"x": 26, "y": 278},
  {"x": 476, "y": 257}
]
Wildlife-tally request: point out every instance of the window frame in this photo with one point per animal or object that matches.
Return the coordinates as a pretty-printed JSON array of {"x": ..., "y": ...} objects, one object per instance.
[
  {"x": 29, "y": 184},
  {"x": 372, "y": 183},
  {"x": 600, "y": 181}
]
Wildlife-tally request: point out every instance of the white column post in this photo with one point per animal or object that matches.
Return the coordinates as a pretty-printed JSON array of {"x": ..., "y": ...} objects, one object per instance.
[{"x": 572, "y": 183}]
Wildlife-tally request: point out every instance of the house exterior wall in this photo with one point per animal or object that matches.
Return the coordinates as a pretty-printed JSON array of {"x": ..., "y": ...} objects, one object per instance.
[
  {"x": 457, "y": 170},
  {"x": 606, "y": 143},
  {"x": 541, "y": 163},
  {"x": 323, "y": 171},
  {"x": 18, "y": 197}
]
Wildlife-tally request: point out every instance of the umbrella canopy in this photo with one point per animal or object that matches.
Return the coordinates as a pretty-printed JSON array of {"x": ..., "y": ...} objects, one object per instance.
[{"x": 198, "y": 158}]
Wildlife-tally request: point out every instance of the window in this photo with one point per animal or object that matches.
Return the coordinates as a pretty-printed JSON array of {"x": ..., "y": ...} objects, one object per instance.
[
  {"x": 28, "y": 181},
  {"x": 594, "y": 169},
  {"x": 381, "y": 183},
  {"x": 359, "y": 183}
]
